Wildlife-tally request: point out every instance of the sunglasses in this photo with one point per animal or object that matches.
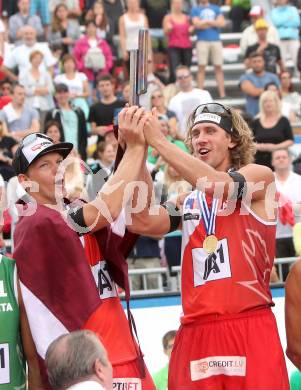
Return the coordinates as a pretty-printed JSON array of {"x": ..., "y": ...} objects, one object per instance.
[
  {"x": 30, "y": 138},
  {"x": 157, "y": 96},
  {"x": 183, "y": 77},
  {"x": 213, "y": 112},
  {"x": 212, "y": 108}
]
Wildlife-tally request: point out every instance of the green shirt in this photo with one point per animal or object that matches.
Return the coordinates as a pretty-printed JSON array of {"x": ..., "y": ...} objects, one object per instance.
[
  {"x": 12, "y": 363},
  {"x": 295, "y": 380},
  {"x": 70, "y": 126},
  {"x": 180, "y": 144},
  {"x": 161, "y": 378}
]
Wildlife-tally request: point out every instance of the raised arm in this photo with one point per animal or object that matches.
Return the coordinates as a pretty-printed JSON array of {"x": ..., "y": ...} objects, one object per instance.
[
  {"x": 114, "y": 195},
  {"x": 146, "y": 222}
]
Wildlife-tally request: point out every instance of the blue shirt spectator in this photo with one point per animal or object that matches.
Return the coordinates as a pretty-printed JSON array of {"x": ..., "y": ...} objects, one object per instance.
[
  {"x": 253, "y": 84},
  {"x": 286, "y": 19},
  {"x": 252, "y": 106},
  {"x": 207, "y": 12}
]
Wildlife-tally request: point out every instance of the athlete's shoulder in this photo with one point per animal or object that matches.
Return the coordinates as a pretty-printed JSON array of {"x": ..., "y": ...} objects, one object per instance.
[{"x": 255, "y": 172}]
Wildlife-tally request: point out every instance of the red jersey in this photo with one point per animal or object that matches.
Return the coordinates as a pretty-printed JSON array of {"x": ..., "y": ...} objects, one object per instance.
[
  {"x": 109, "y": 320},
  {"x": 235, "y": 278}
]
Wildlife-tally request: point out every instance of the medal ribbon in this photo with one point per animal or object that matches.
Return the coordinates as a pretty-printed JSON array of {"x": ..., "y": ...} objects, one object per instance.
[{"x": 209, "y": 215}]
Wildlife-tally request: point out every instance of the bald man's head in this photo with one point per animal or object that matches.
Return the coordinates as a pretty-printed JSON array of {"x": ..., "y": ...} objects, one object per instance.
[{"x": 29, "y": 35}]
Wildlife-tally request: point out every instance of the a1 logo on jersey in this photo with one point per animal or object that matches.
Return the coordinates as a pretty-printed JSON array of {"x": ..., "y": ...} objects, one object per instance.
[
  {"x": 105, "y": 284},
  {"x": 213, "y": 266}
]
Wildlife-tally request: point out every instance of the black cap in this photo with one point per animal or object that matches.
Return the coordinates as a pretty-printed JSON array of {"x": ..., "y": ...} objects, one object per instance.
[{"x": 34, "y": 146}]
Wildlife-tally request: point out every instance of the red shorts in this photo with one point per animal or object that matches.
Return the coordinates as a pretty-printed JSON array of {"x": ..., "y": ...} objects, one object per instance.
[
  {"x": 126, "y": 377},
  {"x": 237, "y": 352}
]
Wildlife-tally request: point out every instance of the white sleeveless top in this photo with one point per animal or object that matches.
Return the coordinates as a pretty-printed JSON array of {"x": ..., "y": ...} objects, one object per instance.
[{"x": 132, "y": 31}]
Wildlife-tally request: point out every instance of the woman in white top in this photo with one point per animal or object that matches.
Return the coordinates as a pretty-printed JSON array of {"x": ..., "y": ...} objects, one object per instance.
[
  {"x": 77, "y": 83},
  {"x": 38, "y": 85},
  {"x": 129, "y": 25},
  {"x": 291, "y": 100}
]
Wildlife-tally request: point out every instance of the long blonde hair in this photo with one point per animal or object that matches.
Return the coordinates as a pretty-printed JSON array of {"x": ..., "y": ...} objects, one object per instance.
[
  {"x": 244, "y": 150},
  {"x": 269, "y": 95}
]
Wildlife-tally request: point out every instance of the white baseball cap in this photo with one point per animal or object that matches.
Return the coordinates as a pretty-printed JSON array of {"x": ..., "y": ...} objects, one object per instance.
[{"x": 34, "y": 146}]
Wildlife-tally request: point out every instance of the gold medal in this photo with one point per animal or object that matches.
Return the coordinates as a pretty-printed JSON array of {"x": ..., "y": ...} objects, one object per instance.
[{"x": 210, "y": 244}]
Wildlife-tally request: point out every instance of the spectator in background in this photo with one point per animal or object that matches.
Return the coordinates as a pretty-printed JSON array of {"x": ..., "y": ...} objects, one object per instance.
[
  {"x": 157, "y": 101},
  {"x": 249, "y": 36},
  {"x": 8, "y": 147},
  {"x": 71, "y": 120},
  {"x": 129, "y": 25},
  {"x": 101, "y": 168},
  {"x": 21, "y": 19},
  {"x": 270, "y": 52},
  {"x": 188, "y": 98},
  {"x": 73, "y": 7},
  {"x": 41, "y": 8},
  {"x": 38, "y": 85},
  {"x": 6, "y": 90},
  {"x": 52, "y": 130},
  {"x": 93, "y": 55},
  {"x": 19, "y": 56},
  {"x": 63, "y": 31},
  {"x": 208, "y": 19},
  {"x": 291, "y": 100},
  {"x": 161, "y": 377},
  {"x": 239, "y": 13},
  {"x": 286, "y": 19},
  {"x": 77, "y": 83},
  {"x": 17, "y": 119},
  {"x": 2, "y": 37},
  {"x": 272, "y": 131},
  {"x": 288, "y": 184},
  {"x": 78, "y": 360},
  {"x": 98, "y": 14},
  {"x": 155, "y": 11},
  {"x": 114, "y": 9},
  {"x": 103, "y": 113},
  {"x": 153, "y": 83},
  {"x": 177, "y": 28},
  {"x": 252, "y": 84}
]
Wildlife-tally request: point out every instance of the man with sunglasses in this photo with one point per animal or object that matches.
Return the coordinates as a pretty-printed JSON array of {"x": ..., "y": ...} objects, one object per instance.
[
  {"x": 188, "y": 97},
  {"x": 228, "y": 337},
  {"x": 55, "y": 254}
]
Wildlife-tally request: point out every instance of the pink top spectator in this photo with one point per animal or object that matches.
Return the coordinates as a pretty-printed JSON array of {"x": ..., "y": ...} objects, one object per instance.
[
  {"x": 179, "y": 35},
  {"x": 80, "y": 50}
]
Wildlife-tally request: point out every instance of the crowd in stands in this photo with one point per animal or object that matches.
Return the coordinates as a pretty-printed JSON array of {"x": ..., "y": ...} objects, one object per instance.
[{"x": 64, "y": 71}]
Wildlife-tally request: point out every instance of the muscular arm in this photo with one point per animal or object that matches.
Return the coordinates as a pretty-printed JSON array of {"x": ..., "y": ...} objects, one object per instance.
[
  {"x": 113, "y": 196},
  {"x": 293, "y": 314},
  {"x": 147, "y": 223},
  {"x": 193, "y": 169},
  {"x": 248, "y": 88}
]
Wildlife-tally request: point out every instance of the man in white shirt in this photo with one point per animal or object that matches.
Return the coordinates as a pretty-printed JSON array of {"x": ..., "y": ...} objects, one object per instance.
[
  {"x": 78, "y": 361},
  {"x": 249, "y": 36},
  {"x": 185, "y": 101},
  {"x": 288, "y": 184},
  {"x": 19, "y": 56}
]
